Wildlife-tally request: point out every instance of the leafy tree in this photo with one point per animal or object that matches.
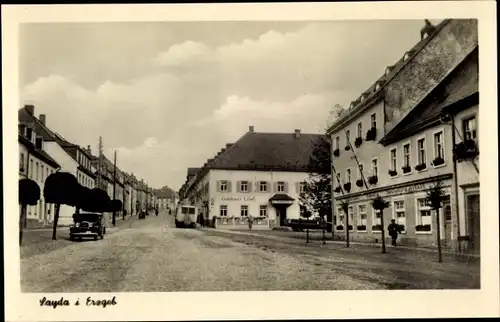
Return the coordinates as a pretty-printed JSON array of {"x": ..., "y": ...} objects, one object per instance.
[
  {"x": 435, "y": 195},
  {"x": 380, "y": 204},
  {"x": 100, "y": 201},
  {"x": 115, "y": 205},
  {"x": 337, "y": 112},
  {"x": 29, "y": 194},
  {"x": 61, "y": 188},
  {"x": 317, "y": 189}
]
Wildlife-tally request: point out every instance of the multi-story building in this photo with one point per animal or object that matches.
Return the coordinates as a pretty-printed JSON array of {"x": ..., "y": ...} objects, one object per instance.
[
  {"x": 391, "y": 142},
  {"x": 71, "y": 158},
  {"x": 37, "y": 165},
  {"x": 260, "y": 175},
  {"x": 165, "y": 198}
]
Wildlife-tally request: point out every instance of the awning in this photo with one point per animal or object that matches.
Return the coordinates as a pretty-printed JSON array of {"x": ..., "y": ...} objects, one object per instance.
[{"x": 281, "y": 199}]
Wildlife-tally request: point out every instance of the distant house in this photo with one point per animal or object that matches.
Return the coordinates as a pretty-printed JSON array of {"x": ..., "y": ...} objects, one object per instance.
[
  {"x": 165, "y": 198},
  {"x": 261, "y": 175}
]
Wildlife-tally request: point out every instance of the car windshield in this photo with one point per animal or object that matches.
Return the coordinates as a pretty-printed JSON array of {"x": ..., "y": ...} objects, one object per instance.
[
  {"x": 188, "y": 210},
  {"x": 87, "y": 217}
]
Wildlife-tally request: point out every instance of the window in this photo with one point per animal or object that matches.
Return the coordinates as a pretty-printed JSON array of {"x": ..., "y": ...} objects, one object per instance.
[
  {"x": 223, "y": 211},
  {"x": 438, "y": 145},
  {"x": 337, "y": 142},
  {"x": 244, "y": 186},
  {"x": 41, "y": 173},
  {"x": 302, "y": 186},
  {"x": 31, "y": 168},
  {"x": 399, "y": 213},
  {"x": 360, "y": 130},
  {"x": 373, "y": 119},
  {"x": 341, "y": 216},
  {"x": 263, "y": 211},
  {"x": 244, "y": 211},
  {"x": 223, "y": 186},
  {"x": 362, "y": 217},
  {"x": 262, "y": 186},
  {"x": 21, "y": 162},
  {"x": 348, "y": 137},
  {"x": 394, "y": 160},
  {"x": 281, "y": 186},
  {"x": 374, "y": 167},
  {"x": 377, "y": 220},
  {"x": 348, "y": 175},
  {"x": 406, "y": 155},
  {"x": 469, "y": 128},
  {"x": 360, "y": 171},
  {"x": 424, "y": 219},
  {"x": 421, "y": 151}
]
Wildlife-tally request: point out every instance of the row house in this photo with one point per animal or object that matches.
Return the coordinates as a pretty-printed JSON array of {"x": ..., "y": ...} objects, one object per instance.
[
  {"x": 393, "y": 141},
  {"x": 37, "y": 165},
  {"x": 260, "y": 175}
]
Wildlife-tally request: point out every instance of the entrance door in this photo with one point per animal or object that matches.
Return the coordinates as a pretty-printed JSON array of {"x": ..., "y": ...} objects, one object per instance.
[
  {"x": 473, "y": 217},
  {"x": 281, "y": 212},
  {"x": 447, "y": 221}
]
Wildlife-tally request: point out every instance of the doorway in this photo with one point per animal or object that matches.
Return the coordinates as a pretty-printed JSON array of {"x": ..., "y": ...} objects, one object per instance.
[
  {"x": 472, "y": 207},
  {"x": 447, "y": 216},
  {"x": 281, "y": 213}
]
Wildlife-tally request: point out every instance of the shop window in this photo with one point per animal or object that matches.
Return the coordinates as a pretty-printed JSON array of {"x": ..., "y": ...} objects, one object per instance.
[
  {"x": 424, "y": 219},
  {"x": 263, "y": 211},
  {"x": 350, "y": 212},
  {"x": 399, "y": 213},
  {"x": 362, "y": 218},
  {"x": 377, "y": 220}
]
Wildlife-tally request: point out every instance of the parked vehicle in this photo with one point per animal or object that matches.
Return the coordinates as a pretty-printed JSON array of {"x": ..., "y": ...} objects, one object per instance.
[
  {"x": 142, "y": 214},
  {"x": 186, "y": 217},
  {"x": 87, "y": 224}
]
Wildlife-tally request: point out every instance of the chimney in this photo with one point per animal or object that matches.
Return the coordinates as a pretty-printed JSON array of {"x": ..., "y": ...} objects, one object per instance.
[
  {"x": 250, "y": 128},
  {"x": 42, "y": 118},
  {"x": 297, "y": 134},
  {"x": 30, "y": 109}
]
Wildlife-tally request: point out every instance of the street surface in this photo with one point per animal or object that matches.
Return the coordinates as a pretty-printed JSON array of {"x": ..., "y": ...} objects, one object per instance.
[{"x": 152, "y": 255}]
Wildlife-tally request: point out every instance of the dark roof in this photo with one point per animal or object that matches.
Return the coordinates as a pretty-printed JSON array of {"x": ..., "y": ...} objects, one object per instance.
[
  {"x": 40, "y": 154},
  {"x": 384, "y": 80},
  {"x": 40, "y": 129},
  {"x": 165, "y": 192},
  {"x": 281, "y": 197},
  {"x": 460, "y": 84},
  {"x": 268, "y": 151}
]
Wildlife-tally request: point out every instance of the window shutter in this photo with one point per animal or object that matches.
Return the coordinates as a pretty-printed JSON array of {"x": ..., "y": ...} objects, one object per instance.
[
  {"x": 229, "y": 183},
  {"x": 275, "y": 186},
  {"x": 257, "y": 186},
  {"x": 286, "y": 187},
  {"x": 297, "y": 187},
  {"x": 249, "y": 186},
  {"x": 217, "y": 183},
  {"x": 238, "y": 186}
]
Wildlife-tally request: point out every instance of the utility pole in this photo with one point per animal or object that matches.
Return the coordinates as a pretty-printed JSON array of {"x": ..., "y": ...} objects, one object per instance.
[
  {"x": 99, "y": 166},
  {"x": 114, "y": 190}
]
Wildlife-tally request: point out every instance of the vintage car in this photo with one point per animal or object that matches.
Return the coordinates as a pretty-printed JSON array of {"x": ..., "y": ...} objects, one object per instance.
[{"x": 87, "y": 224}]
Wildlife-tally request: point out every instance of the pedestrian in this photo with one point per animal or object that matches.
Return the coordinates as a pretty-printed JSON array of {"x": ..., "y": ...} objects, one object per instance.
[
  {"x": 156, "y": 210},
  {"x": 250, "y": 222},
  {"x": 393, "y": 231}
]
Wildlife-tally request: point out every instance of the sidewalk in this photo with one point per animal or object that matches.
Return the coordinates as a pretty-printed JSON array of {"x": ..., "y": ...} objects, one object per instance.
[{"x": 283, "y": 237}]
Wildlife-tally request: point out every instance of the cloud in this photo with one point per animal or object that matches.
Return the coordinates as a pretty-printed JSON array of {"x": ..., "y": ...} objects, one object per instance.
[{"x": 199, "y": 96}]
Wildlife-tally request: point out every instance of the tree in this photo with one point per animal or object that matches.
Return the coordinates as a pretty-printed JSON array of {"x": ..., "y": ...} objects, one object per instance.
[
  {"x": 380, "y": 204},
  {"x": 61, "y": 188},
  {"x": 305, "y": 209},
  {"x": 317, "y": 191},
  {"x": 336, "y": 113},
  {"x": 29, "y": 194},
  {"x": 99, "y": 201},
  {"x": 116, "y": 205},
  {"x": 435, "y": 195}
]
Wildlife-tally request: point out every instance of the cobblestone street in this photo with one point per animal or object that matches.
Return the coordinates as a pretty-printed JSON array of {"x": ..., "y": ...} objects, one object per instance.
[{"x": 150, "y": 255}]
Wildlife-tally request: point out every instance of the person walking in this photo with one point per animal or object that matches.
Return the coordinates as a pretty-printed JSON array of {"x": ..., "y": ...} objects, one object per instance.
[
  {"x": 250, "y": 222},
  {"x": 393, "y": 231}
]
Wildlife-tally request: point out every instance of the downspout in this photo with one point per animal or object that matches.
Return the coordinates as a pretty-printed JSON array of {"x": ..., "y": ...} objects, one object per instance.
[{"x": 455, "y": 181}]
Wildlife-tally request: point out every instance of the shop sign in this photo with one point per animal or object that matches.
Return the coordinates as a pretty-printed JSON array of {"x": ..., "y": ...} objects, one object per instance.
[
  {"x": 394, "y": 191},
  {"x": 237, "y": 198}
]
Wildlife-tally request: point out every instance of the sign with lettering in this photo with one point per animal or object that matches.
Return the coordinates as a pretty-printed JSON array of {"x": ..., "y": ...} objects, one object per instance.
[
  {"x": 393, "y": 192},
  {"x": 282, "y": 202},
  {"x": 237, "y": 198}
]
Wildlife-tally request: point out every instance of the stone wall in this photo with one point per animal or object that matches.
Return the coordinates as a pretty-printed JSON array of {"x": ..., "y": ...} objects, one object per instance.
[{"x": 429, "y": 67}]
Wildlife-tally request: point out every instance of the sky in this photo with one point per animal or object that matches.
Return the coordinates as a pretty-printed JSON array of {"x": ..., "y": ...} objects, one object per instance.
[{"x": 169, "y": 95}]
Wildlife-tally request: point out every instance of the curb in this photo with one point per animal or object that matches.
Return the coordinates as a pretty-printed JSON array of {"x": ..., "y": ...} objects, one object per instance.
[{"x": 332, "y": 242}]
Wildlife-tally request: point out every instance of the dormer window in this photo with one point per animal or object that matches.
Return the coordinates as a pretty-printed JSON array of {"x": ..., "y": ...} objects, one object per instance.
[
  {"x": 39, "y": 143},
  {"x": 29, "y": 134}
]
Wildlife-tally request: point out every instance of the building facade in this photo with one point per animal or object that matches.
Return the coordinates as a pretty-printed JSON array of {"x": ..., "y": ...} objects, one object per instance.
[
  {"x": 261, "y": 175},
  {"x": 37, "y": 165},
  {"x": 392, "y": 142}
]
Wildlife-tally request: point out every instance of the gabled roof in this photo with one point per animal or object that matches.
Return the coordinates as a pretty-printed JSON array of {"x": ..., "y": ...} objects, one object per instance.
[
  {"x": 268, "y": 151},
  {"x": 459, "y": 85},
  {"x": 40, "y": 129},
  {"x": 40, "y": 154}
]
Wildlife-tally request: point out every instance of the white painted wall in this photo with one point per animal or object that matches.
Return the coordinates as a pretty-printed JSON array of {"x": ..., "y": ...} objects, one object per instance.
[{"x": 255, "y": 198}]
